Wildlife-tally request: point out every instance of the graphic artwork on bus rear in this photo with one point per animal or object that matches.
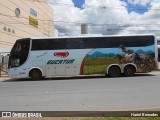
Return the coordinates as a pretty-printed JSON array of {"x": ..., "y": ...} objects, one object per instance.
[{"x": 98, "y": 60}]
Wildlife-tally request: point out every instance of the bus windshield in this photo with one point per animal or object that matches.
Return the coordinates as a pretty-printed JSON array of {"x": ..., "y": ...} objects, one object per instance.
[{"x": 19, "y": 53}]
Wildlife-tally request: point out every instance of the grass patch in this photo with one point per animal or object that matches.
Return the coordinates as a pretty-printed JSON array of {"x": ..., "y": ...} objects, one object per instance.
[
  {"x": 97, "y": 65},
  {"x": 99, "y": 61}
]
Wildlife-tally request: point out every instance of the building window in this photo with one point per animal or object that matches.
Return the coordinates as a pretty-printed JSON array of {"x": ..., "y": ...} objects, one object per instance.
[
  {"x": 13, "y": 31},
  {"x": 5, "y": 28},
  {"x": 9, "y": 30}
]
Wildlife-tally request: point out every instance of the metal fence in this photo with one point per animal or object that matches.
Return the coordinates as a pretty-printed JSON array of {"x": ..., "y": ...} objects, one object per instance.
[{"x": 4, "y": 57}]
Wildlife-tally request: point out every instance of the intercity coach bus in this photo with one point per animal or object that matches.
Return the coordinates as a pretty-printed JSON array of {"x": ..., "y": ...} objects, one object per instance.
[{"x": 37, "y": 58}]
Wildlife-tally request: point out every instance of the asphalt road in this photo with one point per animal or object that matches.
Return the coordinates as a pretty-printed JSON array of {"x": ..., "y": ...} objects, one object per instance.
[{"x": 141, "y": 92}]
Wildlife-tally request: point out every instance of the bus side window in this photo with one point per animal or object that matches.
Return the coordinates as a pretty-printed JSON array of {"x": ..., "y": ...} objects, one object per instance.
[
  {"x": 34, "y": 46},
  {"x": 109, "y": 42},
  {"x": 92, "y": 43},
  {"x": 74, "y": 43},
  {"x": 59, "y": 44},
  {"x": 55, "y": 45},
  {"x": 81, "y": 43},
  {"x": 149, "y": 40},
  {"x": 38, "y": 45},
  {"x": 136, "y": 41}
]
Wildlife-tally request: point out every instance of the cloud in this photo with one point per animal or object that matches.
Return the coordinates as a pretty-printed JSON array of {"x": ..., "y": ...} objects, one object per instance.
[
  {"x": 148, "y": 22},
  {"x": 106, "y": 17},
  {"x": 67, "y": 17},
  {"x": 139, "y": 2}
]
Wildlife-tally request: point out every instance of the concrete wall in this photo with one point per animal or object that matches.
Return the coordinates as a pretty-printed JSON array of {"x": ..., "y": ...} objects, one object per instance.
[{"x": 35, "y": 20}]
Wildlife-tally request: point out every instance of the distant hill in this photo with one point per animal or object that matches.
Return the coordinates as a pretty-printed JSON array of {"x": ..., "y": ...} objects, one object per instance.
[
  {"x": 143, "y": 52},
  {"x": 149, "y": 52},
  {"x": 140, "y": 51},
  {"x": 100, "y": 54}
]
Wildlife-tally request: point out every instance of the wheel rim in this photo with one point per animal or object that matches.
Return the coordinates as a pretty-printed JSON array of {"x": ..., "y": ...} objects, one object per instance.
[
  {"x": 129, "y": 71},
  {"x": 114, "y": 72},
  {"x": 35, "y": 74}
]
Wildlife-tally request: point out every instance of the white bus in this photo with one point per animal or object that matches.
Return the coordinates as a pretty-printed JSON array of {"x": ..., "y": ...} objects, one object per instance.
[{"x": 37, "y": 58}]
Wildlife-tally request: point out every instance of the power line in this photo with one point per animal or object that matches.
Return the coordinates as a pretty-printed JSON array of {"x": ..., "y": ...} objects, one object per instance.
[
  {"x": 117, "y": 29},
  {"x": 11, "y": 34},
  {"x": 133, "y": 30},
  {"x": 2, "y": 43},
  {"x": 63, "y": 21},
  {"x": 91, "y": 6},
  {"x": 45, "y": 7},
  {"x": 89, "y": 24},
  {"x": 50, "y": 23},
  {"x": 27, "y": 6},
  {"x": 18, "y": 29},
  {"x": 19, "y": 17},
  {"x": 6, "y": 42},
  {"x": 25, "y": 11},
  {"x": 52, "y": 14},
  {"x": 38, "y": 8},
  {"x": 27, "y": 18},
  {"x": 58, "y": 21}
]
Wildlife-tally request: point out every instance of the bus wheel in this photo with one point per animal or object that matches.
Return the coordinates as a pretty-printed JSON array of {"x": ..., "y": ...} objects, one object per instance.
[
  {"x": 129, "y": 71},
  {"x": 36, "y": 74},
  {"x": 114, "y": 71}
]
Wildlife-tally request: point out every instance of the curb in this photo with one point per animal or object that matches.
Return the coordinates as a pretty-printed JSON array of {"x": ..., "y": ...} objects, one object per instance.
[
  {"x": 4, "y": 78},
  {"x": 7, "y": 78}
]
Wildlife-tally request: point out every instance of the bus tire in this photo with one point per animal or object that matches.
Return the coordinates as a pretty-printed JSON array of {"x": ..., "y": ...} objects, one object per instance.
[
  {"x": 129, "y": 71},
  {"x": 114, "y": 71},
  {"x": 36, "y": 74}
]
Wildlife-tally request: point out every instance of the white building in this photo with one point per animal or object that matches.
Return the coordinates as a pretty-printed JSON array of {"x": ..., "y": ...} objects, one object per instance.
[{"x": 24, "y": 19}]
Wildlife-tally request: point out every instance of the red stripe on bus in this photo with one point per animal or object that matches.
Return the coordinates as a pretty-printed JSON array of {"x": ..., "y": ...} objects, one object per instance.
[{"x": 81, "y": 68}]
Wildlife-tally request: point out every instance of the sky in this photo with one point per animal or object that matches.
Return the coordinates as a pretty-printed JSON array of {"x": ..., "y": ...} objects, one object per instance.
[
  {"x": 107, "y": 17},
  {"x": 78, "y": 3}
]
